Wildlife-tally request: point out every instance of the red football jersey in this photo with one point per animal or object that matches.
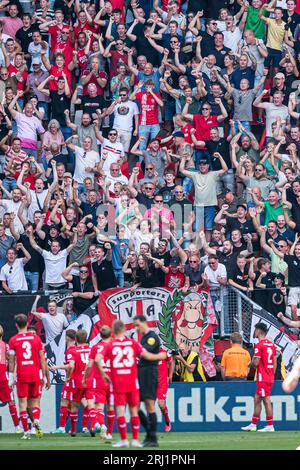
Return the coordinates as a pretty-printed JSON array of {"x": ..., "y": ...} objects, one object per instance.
[
  {"x": 174, "y": 280},
  {"x": 3, "y": 361},
  {"x": 26, "y": 348},
  {"x": 123, "y": 353},
  {"x": 163, "y": 368},
  {"x": 149, "y": 108},
  {"x": 98, "y": 380},
  {"x": 266, "y": 351},
  {"x": 80, "y": 355}
]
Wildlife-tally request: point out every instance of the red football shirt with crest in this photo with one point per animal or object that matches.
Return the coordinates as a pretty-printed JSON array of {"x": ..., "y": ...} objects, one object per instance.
[
  {"x": 26, "y": 348},
  {"x": 265, "y": 350}
]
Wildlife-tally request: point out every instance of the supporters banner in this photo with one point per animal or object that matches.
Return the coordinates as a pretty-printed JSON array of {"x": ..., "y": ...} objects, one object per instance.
[
  {"x": 279, "y": 334},
  {"x": 176, "y": 316}
]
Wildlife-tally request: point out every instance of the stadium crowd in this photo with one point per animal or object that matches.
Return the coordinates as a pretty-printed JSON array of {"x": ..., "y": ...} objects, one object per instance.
[{"x": 151, "y": 143}]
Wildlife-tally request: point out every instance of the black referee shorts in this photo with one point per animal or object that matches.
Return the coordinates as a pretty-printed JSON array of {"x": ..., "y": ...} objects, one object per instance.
[{"x": 148, "y": 382}]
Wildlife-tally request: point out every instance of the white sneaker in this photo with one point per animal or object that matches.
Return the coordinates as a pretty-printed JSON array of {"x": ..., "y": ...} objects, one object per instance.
[
  {"x": 18, "y": 430},
  {"x": 267, "y": 429},
  {"x": 85, "y": 431},
  {"x": 136, "y": 443},
  {"x": 26, "y": 436},
  {"x": 103, "y": 431},
  {"x": 298, "y": 448},
  {"x": 108, "y": 437},
  {"x": 121, "y": 444},
  {"x": 250, "y": 427},
  {"x": 33, "y": 431},
  {"x": 97, "y": 427}
]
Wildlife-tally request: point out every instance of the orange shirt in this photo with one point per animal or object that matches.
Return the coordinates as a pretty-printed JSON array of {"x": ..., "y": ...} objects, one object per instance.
[{"x": 235, "y": 361}]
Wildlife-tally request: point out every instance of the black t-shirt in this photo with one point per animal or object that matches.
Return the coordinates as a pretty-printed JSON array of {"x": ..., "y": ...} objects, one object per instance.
[
  {"x": 59, "y": 158},
  {"x": 207, "y": 43},
  {"x": 219, "y": 55},
  {"x": 88, "y": 208},
  {"x": 144, "y": 48},
  {"x": 144, "y": 200},
  {"x": 232, "y": 223},
  {"x": 238, "y": 249},
  {"x": 150, "y": 341},
  {"x": 150, "y": 278},
  {"x": 240, "y": 277},
  {"x": 197, "y": 5},
  {"x": 167, "y": 192},
  {"x": 82, "y": 304},
  {"x": 261, "y": 294},
  {"x": 276, "y": 302},
  {"x": 293, "y": 270},
  {"x": 36, "y": 263},
  {"x": 25, "y": 37},
  {"x": 105, "y": 274},
  {"x": 59, "y": 103},
  {"x": 229, "y": 261},
  {"x": 222, "y": 147},
  {"x": 90, "y": 105},
  {"x": 292, "y": 21},
  {"x": 64, "y": 243}
]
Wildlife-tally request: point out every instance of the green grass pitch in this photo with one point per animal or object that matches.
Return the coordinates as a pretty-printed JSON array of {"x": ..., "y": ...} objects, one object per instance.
[{"x": 287, "y": 440}]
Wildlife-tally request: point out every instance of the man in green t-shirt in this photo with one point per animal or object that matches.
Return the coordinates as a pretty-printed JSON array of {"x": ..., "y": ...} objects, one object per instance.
[{"x": 253, "y": 22}]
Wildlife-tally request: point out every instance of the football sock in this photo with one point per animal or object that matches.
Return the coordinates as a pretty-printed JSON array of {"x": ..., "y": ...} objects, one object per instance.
[
  {"x": 93, "y": 416},
  {"x": 100, "y": 417},
  {"x": 36, "y": 413},
  {"x": 13, "y": 413},
  {"x": 270, "y": 420},
  {"x": 74, "y": 419},
  {"x": 144, "y": 422},
  {"x": 24, "y": 420},
  {"x": 255, "y": 419},
  {"x": 85, "y": 417},
  {"x": 121, "y": 424},
  {"x": 135, "y": 427},
  {"x": 63, "y": 416},
  {"x": 165, "y": 413},
  {"x": 110, "y": 421},
  {"x": 152, "y": 426}
]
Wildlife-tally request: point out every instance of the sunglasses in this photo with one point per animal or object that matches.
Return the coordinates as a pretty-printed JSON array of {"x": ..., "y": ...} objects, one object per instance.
[
  {"x": 123, "y": 94},
  {"x": 10, "y": 270},
  {"x": 83, "y": 272},
  {"x": 178, "y": 192},
  {"x": 258, "y": 169},
  {"x": 193, "y": 262},
  {"x": 114, "y": 169},
  {"x": 159, "y": 201},
  {"x": 149, "y": 168},
  {"x": 112, "y": 133},
  {"x": 147, "y": 187},
  {"x": 205, "y": 109}
]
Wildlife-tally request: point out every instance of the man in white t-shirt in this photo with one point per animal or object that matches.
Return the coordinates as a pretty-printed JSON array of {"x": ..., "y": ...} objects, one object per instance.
[
  {"x": 86, "y": 160},
  {"x": 53, "y": 322},
  {"x": 12, "y": 206},
  {"x": 215, "y": 273},
  {"x": 125, "y": 112},
  {"x": 111, "y": 150},
  {"x": 55, "y": 261},
  {"x": 12, "y": 273},
  {"x": 115, "y": 176}
]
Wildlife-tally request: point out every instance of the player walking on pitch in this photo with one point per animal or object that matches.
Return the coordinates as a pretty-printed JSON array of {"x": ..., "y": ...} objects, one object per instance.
[
  {"x": 26, "y": 351},
  {"x": 265, "y": 361},
  {"x": 123, "y": 353},
  {"x": 6, "y": 392}
]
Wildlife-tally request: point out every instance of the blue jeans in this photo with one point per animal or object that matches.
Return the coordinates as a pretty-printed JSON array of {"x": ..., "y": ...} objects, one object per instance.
[
  {"x": 32, "y": 152},
  {"x": 187, "y": 185},
  {"x": 32, "y": 280},
  {"x": 204, "y": 218},
  {"x": 9, "y": 184},
  {"x": 67, "y": 132},
  {"x": 148, "y": 131},
  {"x": 119, "y": 277}
]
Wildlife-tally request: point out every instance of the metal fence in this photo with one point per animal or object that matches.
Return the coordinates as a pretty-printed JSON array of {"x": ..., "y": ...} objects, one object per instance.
[{"x": 234, "y": 310}]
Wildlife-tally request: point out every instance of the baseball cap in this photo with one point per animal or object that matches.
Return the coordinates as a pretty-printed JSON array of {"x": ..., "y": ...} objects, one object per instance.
[
  {"x": 68, "y": 175},
  {"x": 279, "y": 75},
  {"x": 227, "y": 190},
  {"x": 53, "y": 226},
  {"x": 36, "y": 61},
  {"x": 242, "y": 205},
  {"x": 178, "y": 134},
  {"x": 175, "y": 261},
  {"x": 203, "y": 161}
]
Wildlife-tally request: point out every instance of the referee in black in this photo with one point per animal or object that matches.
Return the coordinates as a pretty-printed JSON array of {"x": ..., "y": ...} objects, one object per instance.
[{"x": 148, "y": 380}]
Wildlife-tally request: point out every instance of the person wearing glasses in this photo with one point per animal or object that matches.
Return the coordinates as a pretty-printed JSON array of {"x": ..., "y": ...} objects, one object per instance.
[
  {"x": 12, "y": 273},
  {"x": 112, "y": 151},
  {"x": 259, "y": 180},
  {"x": 193, "y": 271},
  {"x": 207, "y": 41},
  {"x": 126, "y": 115},
  {"x": 160, "y": 215},
  {"x": 83, "y": 290},
  {"x": 116, "y": 56}
]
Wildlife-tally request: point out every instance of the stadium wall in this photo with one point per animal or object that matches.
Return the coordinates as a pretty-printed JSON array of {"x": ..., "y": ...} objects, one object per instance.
[{"x": 214, "y": 406}]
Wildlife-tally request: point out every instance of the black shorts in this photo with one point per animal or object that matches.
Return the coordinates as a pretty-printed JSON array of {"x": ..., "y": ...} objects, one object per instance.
[{"x": 148, "y": 382}]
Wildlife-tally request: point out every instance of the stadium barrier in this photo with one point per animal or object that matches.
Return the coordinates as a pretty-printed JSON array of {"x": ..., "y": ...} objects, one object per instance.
[{"x": 211, "y": 406}]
